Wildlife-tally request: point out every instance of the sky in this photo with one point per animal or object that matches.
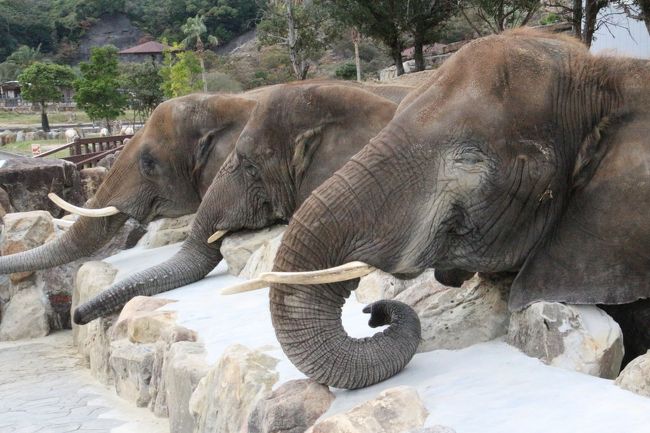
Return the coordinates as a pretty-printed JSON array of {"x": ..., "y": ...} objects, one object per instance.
[{"x": 627, "y": 36}]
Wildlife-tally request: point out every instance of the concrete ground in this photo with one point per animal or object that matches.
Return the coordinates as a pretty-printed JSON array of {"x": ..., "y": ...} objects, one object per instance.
[{"x": 45, "y": 388}]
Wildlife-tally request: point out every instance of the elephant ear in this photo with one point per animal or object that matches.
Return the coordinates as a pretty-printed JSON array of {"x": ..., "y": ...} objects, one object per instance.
[
  {"x": 599, "y": 251},
  {"x": 304, "y": 149},
  {"x": 204, "y": 149}
]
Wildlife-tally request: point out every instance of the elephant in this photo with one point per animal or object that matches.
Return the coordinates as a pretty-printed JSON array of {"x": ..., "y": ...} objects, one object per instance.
[
  {"x": 523, "y": 154},
  {"x": 297, "y": 136},
  {"x": 163, "y": 171}
]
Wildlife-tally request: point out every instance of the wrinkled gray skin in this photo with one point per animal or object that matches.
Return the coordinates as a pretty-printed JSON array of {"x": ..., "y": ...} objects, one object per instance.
[
  {"x": 163, "y": 171},
  {"x": 523, "y": 154},
  {"x": 297, "y": 136}
]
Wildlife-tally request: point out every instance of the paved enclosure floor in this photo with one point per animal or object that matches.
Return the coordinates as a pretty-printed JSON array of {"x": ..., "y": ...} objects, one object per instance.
[{"x": 45, "y": 388}]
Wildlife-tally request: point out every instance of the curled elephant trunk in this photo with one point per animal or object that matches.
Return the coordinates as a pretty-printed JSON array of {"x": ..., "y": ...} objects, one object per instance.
[
  {"x": 193, "y": 262},
  {"x": 307, "y": 318},
  {"x": 85, "y": 237}
]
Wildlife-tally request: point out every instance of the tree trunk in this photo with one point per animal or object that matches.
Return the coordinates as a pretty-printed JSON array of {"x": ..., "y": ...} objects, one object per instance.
[
  {"x": 396, "y": 53},
  {"x": 205, "y": 82},
  {"x": 45, "y": 122},
  {"x": 577, "y": 19},
  {"x": 418, "y": 53},
  {"x": 592, "y": 7},
  {"x": 644, "y": 5},
  {"x": 356, "y": 39}
]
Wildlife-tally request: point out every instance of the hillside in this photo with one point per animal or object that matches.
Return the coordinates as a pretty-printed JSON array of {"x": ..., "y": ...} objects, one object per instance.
[{"x": 59, "y": 26}]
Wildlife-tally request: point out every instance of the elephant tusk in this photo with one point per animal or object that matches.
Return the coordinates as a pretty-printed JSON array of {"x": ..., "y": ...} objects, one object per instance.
[
  {"x": 245, "y": 287},
  {"x": 217, "y": 235},
  {"x": 93, "y": 213},
  {"x": 348, "y": 271},
  {"x": 62, "y": 223}
]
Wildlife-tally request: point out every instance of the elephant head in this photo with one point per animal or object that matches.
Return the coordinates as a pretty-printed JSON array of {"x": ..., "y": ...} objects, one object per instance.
[
  {"x": 163, "y": 171},
  {"x": 297, "y": 136},
  {"x": 523, "y": 153}
]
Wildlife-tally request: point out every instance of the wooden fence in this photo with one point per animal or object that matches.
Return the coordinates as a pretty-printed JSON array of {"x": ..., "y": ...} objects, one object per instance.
[{"x": 87, "y": 152}]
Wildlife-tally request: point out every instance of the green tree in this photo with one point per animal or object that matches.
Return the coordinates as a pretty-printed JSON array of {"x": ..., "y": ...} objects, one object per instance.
[
  {"x": 423, "y": 19},
  {"x": 142, "y": 83},
  {"x": 97, "y": 91},
  {"x": 195, "y": 31},
  {"x": 379, "y": 19},
  {"x": 179, "y": 72},
  {"x": 302, "y": 27},
  {"x": 42, "y": 83},
  {"x": 24, "y": 56},
  {"x": 499, "y": 15}
]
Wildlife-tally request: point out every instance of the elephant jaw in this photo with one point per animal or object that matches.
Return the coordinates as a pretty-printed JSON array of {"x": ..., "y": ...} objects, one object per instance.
[
  {"x": 348, "y": 271},
  {"x": 92, "y": 213}
]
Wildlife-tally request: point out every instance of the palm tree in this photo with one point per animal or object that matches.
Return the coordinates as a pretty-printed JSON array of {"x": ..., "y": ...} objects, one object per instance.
[{"x": 194, "y": 29}]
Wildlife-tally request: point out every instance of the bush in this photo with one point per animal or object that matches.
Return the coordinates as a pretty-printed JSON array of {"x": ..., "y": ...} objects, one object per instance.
[
  {"x": 347, "y": 71},
  {"x": 220, "y": 82}
]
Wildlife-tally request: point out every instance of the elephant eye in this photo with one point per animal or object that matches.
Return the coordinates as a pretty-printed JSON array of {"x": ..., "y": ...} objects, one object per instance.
[
  {"x": 469, "y": 160},
  {"x": 249, "y": 168},
  {"x": 147, "y": 164}
]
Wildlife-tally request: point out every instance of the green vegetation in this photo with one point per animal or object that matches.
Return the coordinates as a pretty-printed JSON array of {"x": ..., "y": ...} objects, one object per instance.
[
  {"x": 142, "y": 84},
  {"x": 180, "y": 73},
  {"x": 57, "y": 25},
  {"x": 25, "y": 147},
  {"x": 195, "y": 31},
  {"x": 97, "y": 90},
  {"x": 43, "y": 83}
]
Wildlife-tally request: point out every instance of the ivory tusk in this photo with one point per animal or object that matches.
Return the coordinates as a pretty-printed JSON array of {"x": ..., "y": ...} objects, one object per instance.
[
  {"x": 217, "y": 235},
  {"x": 93, "y": 213},
  {"x": 245, "y": 287},
  {"x": 348, "y": 271},
  {"x": 62, "y": 223}
]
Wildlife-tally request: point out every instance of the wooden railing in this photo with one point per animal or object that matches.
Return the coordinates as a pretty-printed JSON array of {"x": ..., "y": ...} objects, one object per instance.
[{"x": 87, "y": 152}]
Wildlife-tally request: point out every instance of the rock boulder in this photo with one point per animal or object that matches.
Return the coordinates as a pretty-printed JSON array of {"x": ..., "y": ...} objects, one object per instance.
[
  {"x": 166, "y": 231},
  {"x": 241, "y": 372},
  {"x": 635, "y": 376},
  {"x": 395, "y": 410},
  {"x": 575, "y": 337},
  {"x": 291, "y": 408},
  {"x": 238, "y": 248},
  {"x": 25, "y": 316}
]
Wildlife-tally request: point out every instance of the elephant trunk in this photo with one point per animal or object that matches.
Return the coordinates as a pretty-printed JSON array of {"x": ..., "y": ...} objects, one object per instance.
[
  {"x": 193, "y": 262},
  {"x": 86, "y": 236},
  {"x": 307, "y": 318}
]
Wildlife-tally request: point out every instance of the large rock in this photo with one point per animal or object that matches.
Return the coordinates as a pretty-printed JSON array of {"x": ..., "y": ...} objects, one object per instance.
[
  {"x": 24, "y": 231},
  {"x": 185, "y": 365},
  {"x": 635, "y": 376},
  {"x": 132, "y": 366},
  {"x": 25, "y": 316},
  {"x": 165, "y": 373},
  {"x": 91, "y": 178},
  {"x": 166, "y": 231},
  {"x": 238, "y": 248},
  {"x": 292, "y": 408},
  {"x": 93, "y": 340},
  {"x": 5, "y": 203},
  {"x": 575, "y": 337},
  {"x": 262, "y": 259},
  {"x": 137, "y": 308},
  {"x": 29, "y": 180},
  {"x": 395, "y": 410},
  {"x": 381, "y": 285},
  {"x": 225, "y": 397},
  {"x": 454, "y": 318}
]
